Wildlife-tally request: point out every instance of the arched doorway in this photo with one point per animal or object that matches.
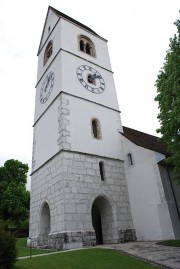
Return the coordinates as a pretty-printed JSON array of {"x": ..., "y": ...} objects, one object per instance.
[
  {"x": 103, "y": 220},
  {"x": 96, "y": 221},
  {"x": 44, "y": 225}
]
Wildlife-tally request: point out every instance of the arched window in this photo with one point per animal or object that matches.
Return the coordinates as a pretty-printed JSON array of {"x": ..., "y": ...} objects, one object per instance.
[
  {"x": 86, "y": 45},
  {"x": 96, "y": 128},
  {"x": 101, "y": 170},
  {"x": 48, "y": 51}
]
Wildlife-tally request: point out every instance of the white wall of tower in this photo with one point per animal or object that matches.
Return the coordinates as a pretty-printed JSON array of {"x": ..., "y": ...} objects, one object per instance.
[
  {"x": 40, "y": 108},
  {"x": 81, "y": 137},
  {"x": 70, "y": 63},
  {"x": 71, "y": 32},
  {"x": 45, "y": 136},
  {"x": 78, "y": 114},
  {"x": 71, "y": 84},
  {"x": 69, "y": 42},
  {"x": 50, "y": 23},
  {"x": 66, "y": 80},
  {"x": 64, "y": 61}
]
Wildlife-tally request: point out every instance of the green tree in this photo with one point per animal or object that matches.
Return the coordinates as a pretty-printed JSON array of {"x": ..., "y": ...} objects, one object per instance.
[
  {"x": 168, "y": 96},
  {"x": 14, "y": 198}
]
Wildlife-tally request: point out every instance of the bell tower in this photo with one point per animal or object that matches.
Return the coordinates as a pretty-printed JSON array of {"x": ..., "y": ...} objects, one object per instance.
[{"x": 79, "y": 193}]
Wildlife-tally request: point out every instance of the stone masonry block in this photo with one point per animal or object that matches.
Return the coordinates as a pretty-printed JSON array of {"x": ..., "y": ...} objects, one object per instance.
[
  {"x": 77, "y": 164},
  {"x": 70, "y": 183},
  {"x": 70, "y": 208},
  {"x": 65, "y": 111},
  {"x": 67, "y": 155},
  {"x": 66, "y": 145},
  {"x": 91, "y": 172},
  {"x": 81, "y": 208}
]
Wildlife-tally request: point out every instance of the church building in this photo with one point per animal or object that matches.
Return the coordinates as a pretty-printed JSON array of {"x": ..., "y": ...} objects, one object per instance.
[
  {"x": 93, "y": 181},
  {"x": 79, "y": 194}
]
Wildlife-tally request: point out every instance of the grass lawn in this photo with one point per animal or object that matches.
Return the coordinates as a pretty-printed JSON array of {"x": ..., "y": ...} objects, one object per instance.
[
  {"x": 23, "y": 250},
  {"x": 171, "y": 243},
  {"x": 84, "y": 259}
]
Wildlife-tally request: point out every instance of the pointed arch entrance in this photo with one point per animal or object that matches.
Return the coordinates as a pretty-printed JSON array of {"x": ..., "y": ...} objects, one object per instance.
[
  {"x": 103, "y": 220},
  {"x": 45, "y": 224}
]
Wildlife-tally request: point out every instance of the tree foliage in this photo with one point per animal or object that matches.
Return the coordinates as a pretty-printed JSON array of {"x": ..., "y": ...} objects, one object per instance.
[
  {"x": 168, "y": 96},
  {"x": 14, "y": 198}
]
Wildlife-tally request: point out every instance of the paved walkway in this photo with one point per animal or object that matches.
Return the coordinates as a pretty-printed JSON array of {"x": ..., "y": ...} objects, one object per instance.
[{"x": 167, "y": 257}]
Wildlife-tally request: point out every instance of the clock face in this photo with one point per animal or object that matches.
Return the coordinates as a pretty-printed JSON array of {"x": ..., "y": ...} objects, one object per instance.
[
  {"x": 47, "y": 87},
  {"x": 90, "y": 79}
]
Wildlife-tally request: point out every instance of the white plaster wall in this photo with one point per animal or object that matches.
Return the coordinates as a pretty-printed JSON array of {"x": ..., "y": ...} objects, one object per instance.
[
  {"x": 159, "y": 156},
  {"x": 148, "y": 210},
  {"x": 65, "y": 36},
  {"x": 55, "y": 36},
  {"x": 65, "y": 79},
  {"x": 81, "y": 138},
  {"x": 70, "y": 33},
  {"x": 46, "y": 136},
  {"x": 71, "y": 84},
  {"x": 165, "y": 221},
  {"x": 64, "y": 65},
  {"x": 51, "y": 20},
  {"x": 56, "y": 69}
]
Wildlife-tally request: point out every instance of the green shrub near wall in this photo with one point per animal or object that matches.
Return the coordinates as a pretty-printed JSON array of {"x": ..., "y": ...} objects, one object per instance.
[
  {"x": 18, "y": 232},
  {"x": 8, "y": 252}
]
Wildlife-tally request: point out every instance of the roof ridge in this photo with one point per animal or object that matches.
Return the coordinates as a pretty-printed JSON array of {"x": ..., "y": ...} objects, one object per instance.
[
  {"x": 141, "y": 132},
  {"x": 59, "y": 13},
  {"x": 145, "y": 140}
]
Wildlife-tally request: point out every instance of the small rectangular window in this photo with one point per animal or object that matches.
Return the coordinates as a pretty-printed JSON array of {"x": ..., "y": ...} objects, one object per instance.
[
  {"x": 96, "y": 128},
  {"x": 101, "y": 170},
  {"x": 130, "y": 160}
]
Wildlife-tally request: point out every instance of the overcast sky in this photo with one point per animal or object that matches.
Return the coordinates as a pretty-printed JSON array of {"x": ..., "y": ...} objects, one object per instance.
[{"x": 138, "y": 33}]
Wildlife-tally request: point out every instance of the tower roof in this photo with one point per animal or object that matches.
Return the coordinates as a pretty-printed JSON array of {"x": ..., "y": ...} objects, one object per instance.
[
  {"x": 145, "y": 140},
  {"x": 60, "y": 14}
]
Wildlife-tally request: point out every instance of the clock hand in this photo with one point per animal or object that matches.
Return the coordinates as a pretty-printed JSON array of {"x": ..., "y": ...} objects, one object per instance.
[
  {"x": 94, "y": 76},
  {"x": 47, "y": 83},
  {"x": 45, "y": 89},
  {"x": 97, "y": 76}
]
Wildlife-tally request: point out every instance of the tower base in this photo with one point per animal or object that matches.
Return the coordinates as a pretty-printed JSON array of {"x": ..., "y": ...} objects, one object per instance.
[
  {"x": 65, "y": 240},
  {"x": 78, "y": 239}
]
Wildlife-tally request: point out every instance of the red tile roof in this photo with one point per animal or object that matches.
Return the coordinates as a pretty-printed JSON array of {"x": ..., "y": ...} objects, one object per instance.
[{"x": 145, "y": 140}]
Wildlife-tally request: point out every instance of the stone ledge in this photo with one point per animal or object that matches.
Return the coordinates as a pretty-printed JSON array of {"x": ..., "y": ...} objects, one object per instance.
[
  {"x": 127, "y": 235},
  {"x": 66, "y": 240}
]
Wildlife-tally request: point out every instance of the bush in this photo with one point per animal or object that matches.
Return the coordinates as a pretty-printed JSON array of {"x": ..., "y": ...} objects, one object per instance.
[
  {"x": 8, "y": 252},
  {"x": 18, "y": 232}
]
